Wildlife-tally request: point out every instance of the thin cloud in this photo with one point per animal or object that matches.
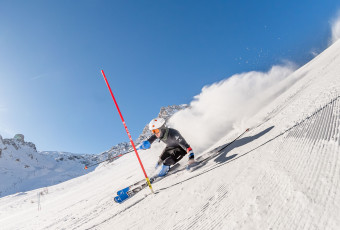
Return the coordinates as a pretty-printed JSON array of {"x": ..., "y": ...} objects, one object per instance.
[
  {"x": 335, "y": 29},
  {"x": 314, "y": 52},
  {"x": 39, "y": 77},
  {"x": 3, "y": 109},
  {"x": 335, "y": 26},
  {"x": 4, "y": 132}
]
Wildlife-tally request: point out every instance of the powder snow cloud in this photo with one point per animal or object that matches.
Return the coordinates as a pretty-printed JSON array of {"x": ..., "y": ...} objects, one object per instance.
[
  {"x": 228, "y": 104},
  {"x": 335, "y": 26}
]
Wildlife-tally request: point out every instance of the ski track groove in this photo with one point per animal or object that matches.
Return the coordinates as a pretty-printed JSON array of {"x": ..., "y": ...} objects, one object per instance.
[
  {"x": 313, "y": 182},
  {"x": 298, "y": 180},
  {"x": 317, "y": 161}
]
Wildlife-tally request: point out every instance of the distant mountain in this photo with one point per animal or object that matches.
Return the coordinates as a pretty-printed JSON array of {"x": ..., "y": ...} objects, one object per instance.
[{"x": 23, "y": 168}]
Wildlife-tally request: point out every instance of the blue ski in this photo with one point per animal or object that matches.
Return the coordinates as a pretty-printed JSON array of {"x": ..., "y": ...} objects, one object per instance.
[
  {"x": 126, "y": 193},
  {"x": 121, "y": 198},
  {"x": 123, "y": 191}
]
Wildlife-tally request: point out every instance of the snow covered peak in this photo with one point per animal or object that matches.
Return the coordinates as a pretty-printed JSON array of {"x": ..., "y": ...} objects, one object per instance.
[
  {"x": 23, "y": 168},
  {"x": 167, "y": 112},
  {"x": 17, "y": 142}
]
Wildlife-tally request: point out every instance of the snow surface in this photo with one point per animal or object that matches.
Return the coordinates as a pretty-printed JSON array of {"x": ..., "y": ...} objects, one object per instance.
[{"x": 283, "y": 174}]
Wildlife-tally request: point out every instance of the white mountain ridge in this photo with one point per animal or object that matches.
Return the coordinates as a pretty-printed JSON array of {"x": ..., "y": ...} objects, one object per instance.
[{"x": 23, "y": 168}]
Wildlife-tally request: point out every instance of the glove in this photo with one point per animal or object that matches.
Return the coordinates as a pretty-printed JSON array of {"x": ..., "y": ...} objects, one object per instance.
[
  {"x": 191, "y": 154},
  {"x": 144, "y": 145}
]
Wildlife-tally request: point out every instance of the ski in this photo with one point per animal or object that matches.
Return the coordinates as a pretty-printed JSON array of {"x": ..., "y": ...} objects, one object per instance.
[
  {"x": 128, "y": 192},
  {"x": 133, "y": 189},
  {"x": 139, "y": 183},
  {"x": 213, "y": 153},
  {"x": 123, "y": 191},
  {"x": 121, "y": 198}
]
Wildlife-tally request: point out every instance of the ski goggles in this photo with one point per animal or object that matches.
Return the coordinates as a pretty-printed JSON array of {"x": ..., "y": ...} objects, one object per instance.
[{"x": 154, "y": 131}]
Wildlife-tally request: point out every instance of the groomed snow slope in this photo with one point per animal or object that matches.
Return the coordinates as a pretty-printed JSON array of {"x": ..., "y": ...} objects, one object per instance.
[{"x": 283, "y": 174}]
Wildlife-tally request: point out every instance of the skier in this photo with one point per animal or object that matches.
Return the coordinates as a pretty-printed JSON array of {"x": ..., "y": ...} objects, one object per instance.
[{"x": 176, "y": 146}]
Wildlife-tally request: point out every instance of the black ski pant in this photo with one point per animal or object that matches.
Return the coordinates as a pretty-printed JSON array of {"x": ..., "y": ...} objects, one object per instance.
[{"x": 172, "y": 155}]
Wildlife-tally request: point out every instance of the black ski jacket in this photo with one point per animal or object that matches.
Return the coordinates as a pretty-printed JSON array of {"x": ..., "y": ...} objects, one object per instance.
[{"x": 172, "y": 138}]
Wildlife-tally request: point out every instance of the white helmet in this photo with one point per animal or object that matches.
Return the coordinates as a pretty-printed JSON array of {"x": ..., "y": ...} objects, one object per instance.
[{"x": 156, "y": 123}]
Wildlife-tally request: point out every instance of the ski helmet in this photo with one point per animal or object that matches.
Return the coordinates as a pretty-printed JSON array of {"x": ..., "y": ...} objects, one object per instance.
[{"x": 156, "y": 123}]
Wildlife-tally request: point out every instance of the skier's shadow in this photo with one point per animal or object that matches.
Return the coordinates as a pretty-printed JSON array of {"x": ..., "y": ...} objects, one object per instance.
[{"x": 222, "y": 151}]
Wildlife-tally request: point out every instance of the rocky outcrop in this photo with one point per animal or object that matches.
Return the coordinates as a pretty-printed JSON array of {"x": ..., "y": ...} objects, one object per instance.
[{"x": 19, "y": 137}]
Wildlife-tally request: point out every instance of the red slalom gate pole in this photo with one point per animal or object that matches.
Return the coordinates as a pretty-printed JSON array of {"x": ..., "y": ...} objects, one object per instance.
[{"x": 127, "y": 131}]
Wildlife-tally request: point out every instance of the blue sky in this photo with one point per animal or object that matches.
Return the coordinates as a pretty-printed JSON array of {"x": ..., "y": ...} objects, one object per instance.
[{"x": 154, "y": 53}]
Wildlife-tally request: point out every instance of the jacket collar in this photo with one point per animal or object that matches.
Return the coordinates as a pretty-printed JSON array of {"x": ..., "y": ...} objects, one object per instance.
[{"x": 165, "y": 134}]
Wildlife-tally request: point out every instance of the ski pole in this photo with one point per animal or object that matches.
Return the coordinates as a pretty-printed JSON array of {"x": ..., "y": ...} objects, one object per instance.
[
  {"x": 127, "y": 131},
  {"x": 234, "y": 140}
]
